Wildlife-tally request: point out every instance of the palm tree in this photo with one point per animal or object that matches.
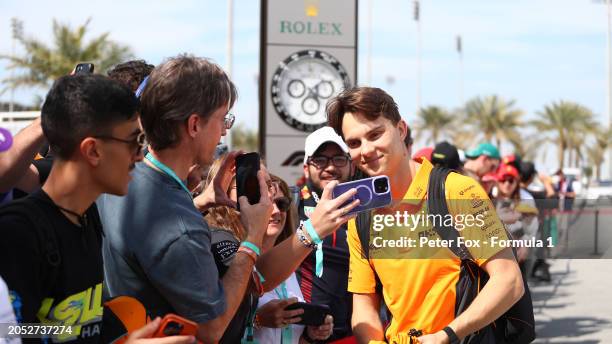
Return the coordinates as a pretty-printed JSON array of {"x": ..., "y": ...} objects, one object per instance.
[
  {"x": 568, "y": 124},
  {"x": 435, "y": 120},
  {"x": 597, "y": 152},
  {"x": 495, "y": 118},
  {"x": 42, "y": 64}
]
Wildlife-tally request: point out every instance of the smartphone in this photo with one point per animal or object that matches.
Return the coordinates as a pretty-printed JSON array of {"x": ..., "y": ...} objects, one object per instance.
[
  {"x": 84, "y": 68},
  {"x": 247, "y": 166},
  {"x": 314, "y": 314},
  {"x": 174, "y": 325},
  {"x": 372, "y": 192}
]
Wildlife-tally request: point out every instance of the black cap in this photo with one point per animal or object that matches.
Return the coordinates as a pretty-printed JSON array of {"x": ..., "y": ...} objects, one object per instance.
[{"x": 445, "y": 154}]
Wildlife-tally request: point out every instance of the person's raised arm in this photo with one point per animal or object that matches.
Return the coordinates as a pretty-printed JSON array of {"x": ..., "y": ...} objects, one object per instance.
[
  {"x": 255, "y": 220},
  {"x": 15, "y": 162},
  {"x": 283, "y": 259}
]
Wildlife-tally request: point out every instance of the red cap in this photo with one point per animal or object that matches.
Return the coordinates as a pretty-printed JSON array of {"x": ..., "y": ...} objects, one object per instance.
[
  {"x": 507, "y": 170},
  {"x": 423, "y": 153}
]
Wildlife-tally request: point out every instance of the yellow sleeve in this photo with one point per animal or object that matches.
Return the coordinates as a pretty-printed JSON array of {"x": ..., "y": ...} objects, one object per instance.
[
  {"x": 361, "y": 276},
  {"x": 475, "y": 217}
]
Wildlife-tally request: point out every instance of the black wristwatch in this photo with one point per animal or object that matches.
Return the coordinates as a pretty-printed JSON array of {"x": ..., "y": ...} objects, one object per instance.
[{"x": 452, "y": 336}]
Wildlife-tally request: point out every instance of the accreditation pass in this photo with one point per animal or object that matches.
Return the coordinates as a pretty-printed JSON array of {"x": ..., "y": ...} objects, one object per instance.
[{"x": 26, "y": 330}]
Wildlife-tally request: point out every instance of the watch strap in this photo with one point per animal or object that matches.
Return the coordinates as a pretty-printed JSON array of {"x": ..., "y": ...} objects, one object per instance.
[{"x": 452, "y": 336}]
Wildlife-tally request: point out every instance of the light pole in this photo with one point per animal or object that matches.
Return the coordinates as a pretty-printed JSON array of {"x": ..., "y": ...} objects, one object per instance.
[
  {"x": 609, "y": 90},
  {"x": 17, "y": 28},
  {"x": 460, "y": 52},
  {"x": 417, "y": 14},
  {"x": 609, "y": 78},
  {"x": 369, "y": 62},
  {"x": 230, "y": 57}
]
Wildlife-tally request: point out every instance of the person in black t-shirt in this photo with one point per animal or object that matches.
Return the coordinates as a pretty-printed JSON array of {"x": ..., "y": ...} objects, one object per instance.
[
  {"x": 326, "y": 159},
  {"x": 50, "y": 251}
]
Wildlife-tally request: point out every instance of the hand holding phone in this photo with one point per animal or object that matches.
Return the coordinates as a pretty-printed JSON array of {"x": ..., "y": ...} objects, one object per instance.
[
  {"x": 373, "y": 192},
  {"x": 174, "y": 325},
  {"x": 330, "y": 213},
  {"x": 256, "y": 210},
  {"x": 274, "y": 313},
  {"x": 149, "y": 332},
  {"x": 247, "y": 166},
  {"x": 314, "y": 314}
]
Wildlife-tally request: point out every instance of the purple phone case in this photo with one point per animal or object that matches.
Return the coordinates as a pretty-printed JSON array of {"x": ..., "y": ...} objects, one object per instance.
[{"x": 366, "y": 193}]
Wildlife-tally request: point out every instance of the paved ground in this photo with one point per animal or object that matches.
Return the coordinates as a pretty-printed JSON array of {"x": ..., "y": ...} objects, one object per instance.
[{"x": 576, "y": 307}]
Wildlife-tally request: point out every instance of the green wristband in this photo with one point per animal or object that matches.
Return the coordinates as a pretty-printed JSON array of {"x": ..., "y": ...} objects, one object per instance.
[{"x": 252, "y": 246}]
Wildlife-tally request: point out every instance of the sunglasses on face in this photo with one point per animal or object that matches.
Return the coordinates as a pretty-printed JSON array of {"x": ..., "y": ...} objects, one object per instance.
[
  {"x": 283, "y": 204},
  {"x": 508, "y": 180},
  {"x": 321, "y": 161},
  {"x": 228, "y": 120},
  {"x": 137, "y": 144}
]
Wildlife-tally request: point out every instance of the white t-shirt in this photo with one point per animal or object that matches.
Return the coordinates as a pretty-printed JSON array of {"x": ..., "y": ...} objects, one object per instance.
[
  {"x": 6, "y": 312},
  {"x": 267, "y": 335}
]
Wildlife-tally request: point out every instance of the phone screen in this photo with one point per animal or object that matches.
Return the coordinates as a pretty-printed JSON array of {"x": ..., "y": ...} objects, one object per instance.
[
  {"x": 247, "y": 166},
  {"x": 314, "y": 314}
]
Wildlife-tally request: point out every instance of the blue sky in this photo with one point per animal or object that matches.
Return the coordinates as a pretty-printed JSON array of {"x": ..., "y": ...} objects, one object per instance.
[{"x": 533, "y": 51}]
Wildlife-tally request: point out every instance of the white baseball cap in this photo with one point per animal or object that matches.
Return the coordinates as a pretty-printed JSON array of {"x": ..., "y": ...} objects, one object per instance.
[{"x": 320, "y": 136}]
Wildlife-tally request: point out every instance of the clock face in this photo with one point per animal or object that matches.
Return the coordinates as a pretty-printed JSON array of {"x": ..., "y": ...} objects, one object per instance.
[{"x": 302, "y": 85}]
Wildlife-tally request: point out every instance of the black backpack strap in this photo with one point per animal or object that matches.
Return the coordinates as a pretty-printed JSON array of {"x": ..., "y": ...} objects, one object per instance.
[
  {"x": 436, "y": 205},
  {"x": 363, "y": 222}
]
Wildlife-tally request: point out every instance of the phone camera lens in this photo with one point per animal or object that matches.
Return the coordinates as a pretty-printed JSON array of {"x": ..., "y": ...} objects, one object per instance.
[{"x": 380, "y": 185}]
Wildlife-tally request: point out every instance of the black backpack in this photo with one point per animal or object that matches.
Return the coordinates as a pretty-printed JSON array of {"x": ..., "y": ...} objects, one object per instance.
[{"x": 517, "y": 325}]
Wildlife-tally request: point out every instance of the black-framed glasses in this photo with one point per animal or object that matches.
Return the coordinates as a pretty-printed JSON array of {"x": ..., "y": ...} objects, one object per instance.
[
  {"x": 229, "y": 120},
  {"x": 321, "y": 161},
  {"x": 137, "y": 143},
  {"x": 283, "y": 204}
]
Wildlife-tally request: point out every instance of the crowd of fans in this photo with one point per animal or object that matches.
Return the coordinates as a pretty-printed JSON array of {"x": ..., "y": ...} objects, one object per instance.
[{"x": 116, "y": 201}]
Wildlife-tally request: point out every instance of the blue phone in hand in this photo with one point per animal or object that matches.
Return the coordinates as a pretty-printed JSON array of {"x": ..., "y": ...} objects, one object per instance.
[{"x": 373, "y": 192}]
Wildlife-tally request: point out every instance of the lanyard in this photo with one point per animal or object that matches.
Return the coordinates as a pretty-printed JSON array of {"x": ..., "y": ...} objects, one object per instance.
[
  {"x": 168, "y": 171},
  {"x": 319, "y": 252},
  {"x": 287, "y": 330},
  {"x": 248, "y": 337}
]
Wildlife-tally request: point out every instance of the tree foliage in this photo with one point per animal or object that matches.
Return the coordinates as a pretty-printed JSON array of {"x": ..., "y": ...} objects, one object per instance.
[{"x": 41, "y": 64}]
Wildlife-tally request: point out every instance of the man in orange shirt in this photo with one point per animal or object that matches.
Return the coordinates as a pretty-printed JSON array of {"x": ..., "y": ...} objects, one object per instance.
[{"x": 420, "y": 293}]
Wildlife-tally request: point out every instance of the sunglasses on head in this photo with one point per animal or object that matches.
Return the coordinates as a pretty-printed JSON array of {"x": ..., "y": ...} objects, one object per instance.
[{"x": 283, "y": 203}]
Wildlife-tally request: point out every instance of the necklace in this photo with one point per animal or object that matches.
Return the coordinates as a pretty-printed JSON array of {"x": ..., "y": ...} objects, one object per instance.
[{"x": 81, "y": 218}]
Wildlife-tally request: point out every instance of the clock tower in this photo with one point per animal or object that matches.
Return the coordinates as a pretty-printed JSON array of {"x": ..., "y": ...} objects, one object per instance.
[{"x": 308, "y": 56}]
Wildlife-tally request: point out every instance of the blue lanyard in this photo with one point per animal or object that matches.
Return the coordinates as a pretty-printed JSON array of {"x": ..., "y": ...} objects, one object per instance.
[
  {"x": 287, "y": 330},
  {"x": 168, "y": 171}
]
